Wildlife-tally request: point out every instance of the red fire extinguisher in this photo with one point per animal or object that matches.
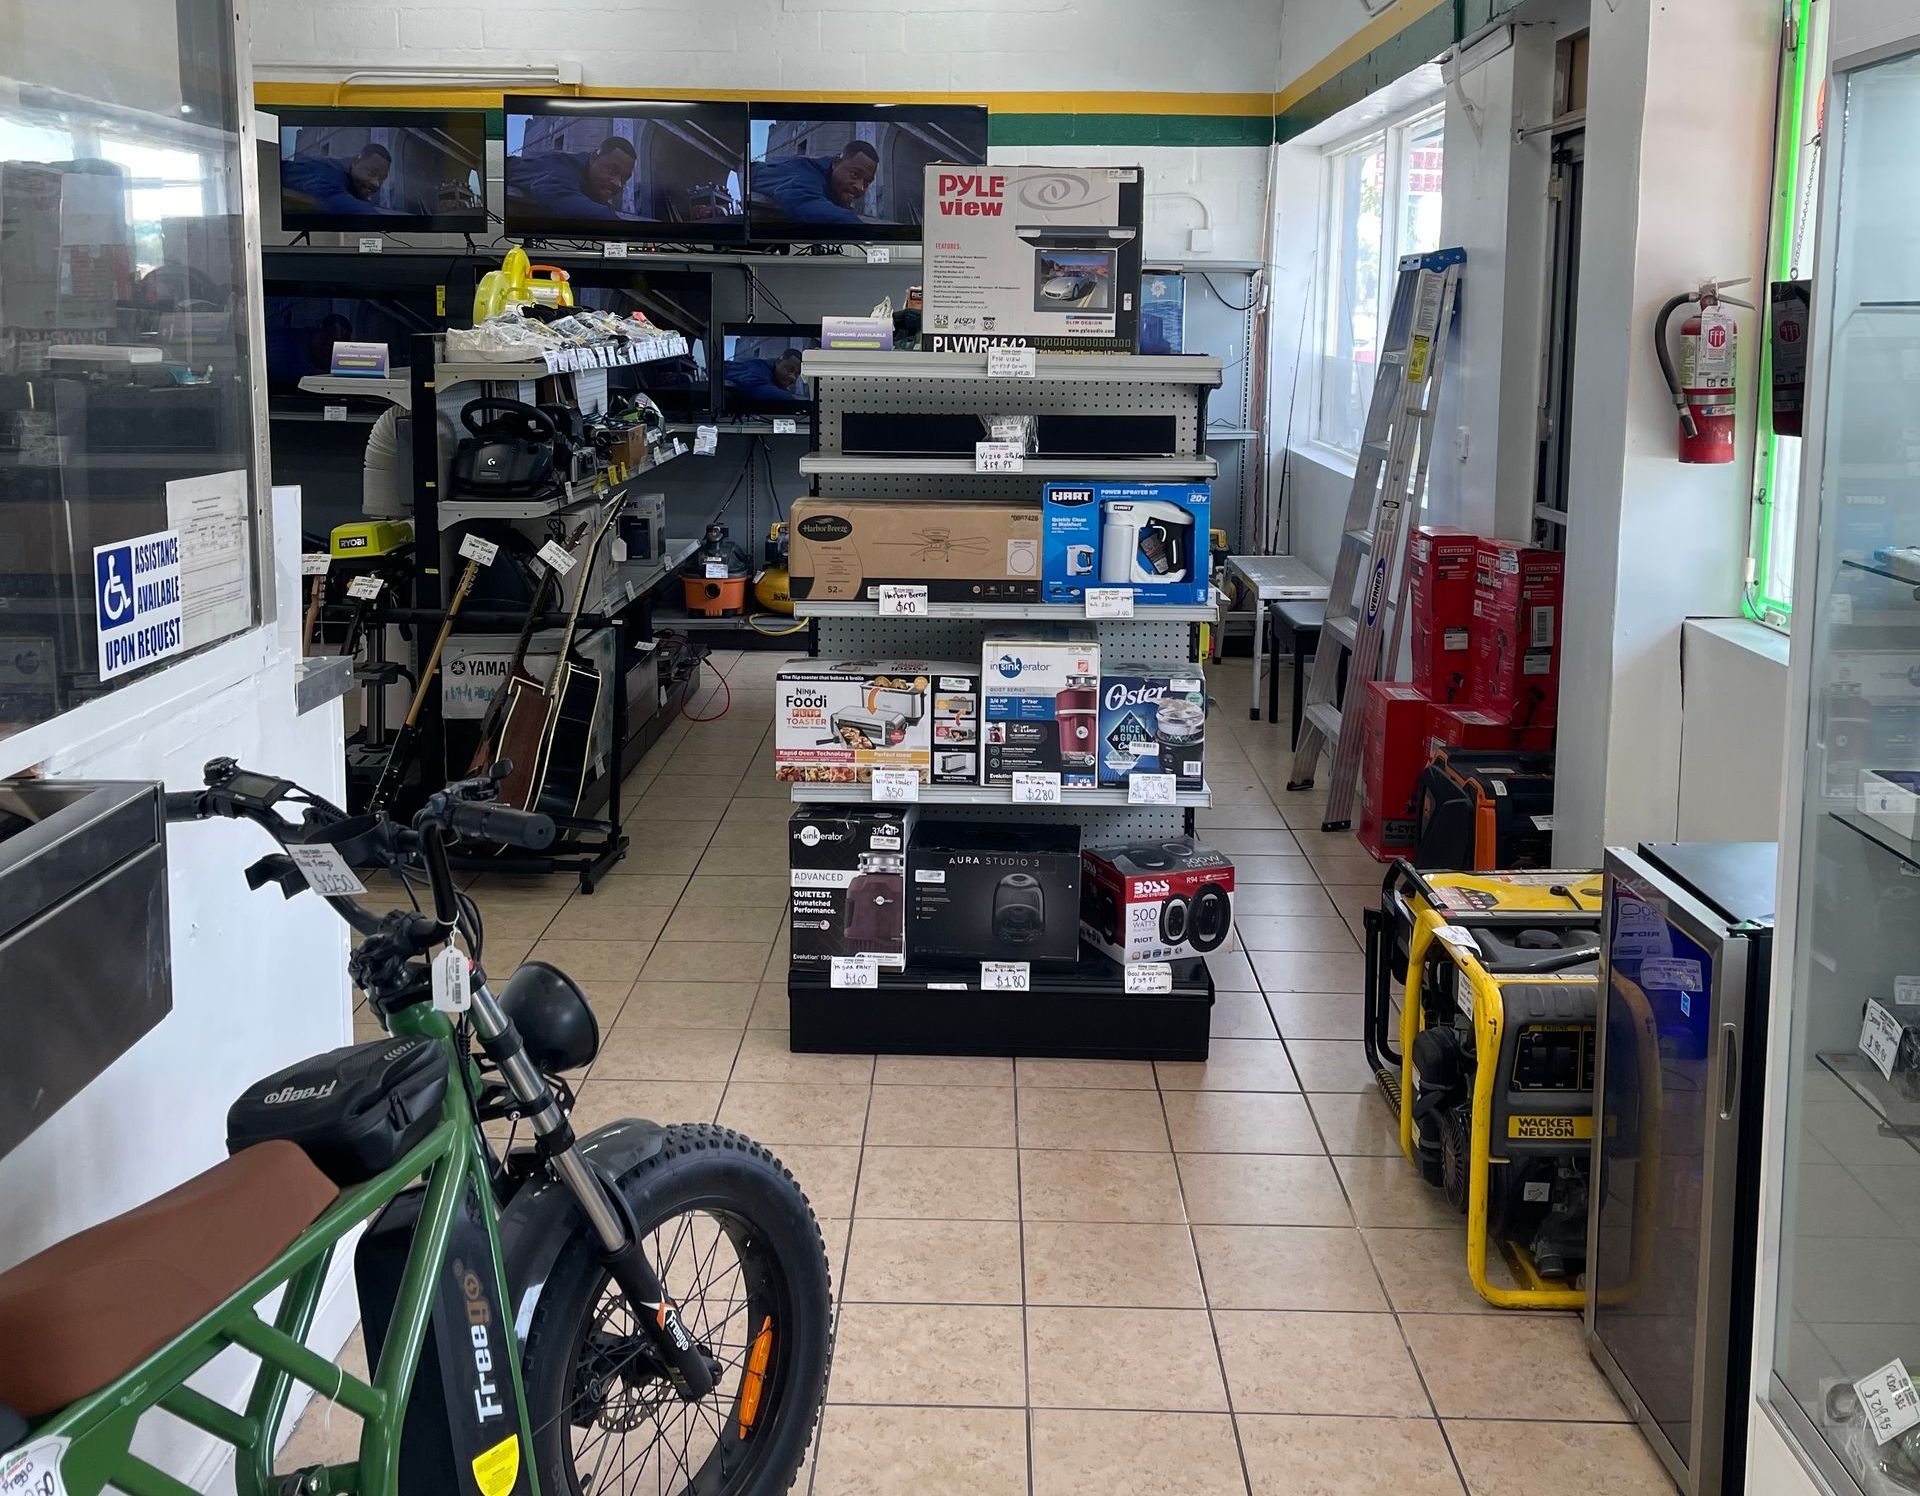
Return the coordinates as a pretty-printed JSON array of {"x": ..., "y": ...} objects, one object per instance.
[{"x": 1704, "y": 392}]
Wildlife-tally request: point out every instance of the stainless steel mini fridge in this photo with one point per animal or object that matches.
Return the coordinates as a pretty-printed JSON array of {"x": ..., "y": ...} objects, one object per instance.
[{"x": 1686, "y": 950}]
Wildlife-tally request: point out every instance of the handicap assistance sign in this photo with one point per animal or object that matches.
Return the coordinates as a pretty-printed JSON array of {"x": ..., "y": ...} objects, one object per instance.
[{"x": 136, "y": 601}]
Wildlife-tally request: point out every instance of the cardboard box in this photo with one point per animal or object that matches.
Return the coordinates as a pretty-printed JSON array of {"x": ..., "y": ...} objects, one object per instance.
[
  {"x": 842, "y": 550},
  {"x": 1516, "y": 632},
  {"x": 847, "y": 871},
  {"x": 979, "y": 891},
  {"x": 1151, "y": 537},
  {"x": 1153, "y": 721},
  {"x": 836, "y": 721},
  {"x": 956, "y": 725},
  {"x": 1393, "y": 752},
  {"x": 1892, "y": 797},
  {"x": 1469, "y": 727},
  {"x": 1040, "y": 704},
  {"x": 1047, "y": 256},
  {"x": 1440, "y": 579},
  {"x": 1164, "y": 902}
]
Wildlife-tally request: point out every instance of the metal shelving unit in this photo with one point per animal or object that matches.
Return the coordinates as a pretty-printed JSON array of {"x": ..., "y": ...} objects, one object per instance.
[
  {"x": 453, "y": 512},
  {"x": 1080, "y": 369},
  {"x": 1145, "y": 469},
  {"x": 1003, "y": 612},
  {"x": 393, "y": 388},
  {"x": 991, "y": 794}
]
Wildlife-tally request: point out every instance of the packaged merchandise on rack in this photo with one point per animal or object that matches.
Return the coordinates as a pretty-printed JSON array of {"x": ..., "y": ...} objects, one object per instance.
[
  {"x": 836, "y": 721},
  {"x": 1040, "y": 704},
  {"x": 847, "y": 875},
  {"x": 844, "y": 550},
  {"x": 1440, "y": 579},
  {"x": 1470, "y": 727},
  {"x": 1392, "y": 754},
  {"x": 1153, "y": 720},
  {"x": 956, "y": 725},
  {"x": 1156, "y": 901},
  {"x": 1516, "y": 632},
  {"x": 993, "y": 892},
  {"x": 1149, "y": 537}
]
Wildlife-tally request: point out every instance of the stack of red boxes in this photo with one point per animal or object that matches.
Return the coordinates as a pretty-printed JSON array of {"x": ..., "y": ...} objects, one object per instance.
[
  {"x": 1440, "y": 572},
  {"x": 1393, "y": 751},
  {"x": 1516, "y": 633}
]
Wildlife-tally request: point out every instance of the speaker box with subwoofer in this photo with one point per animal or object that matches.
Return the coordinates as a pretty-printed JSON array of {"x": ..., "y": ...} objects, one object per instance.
[{"x": 1156, "y": 900}]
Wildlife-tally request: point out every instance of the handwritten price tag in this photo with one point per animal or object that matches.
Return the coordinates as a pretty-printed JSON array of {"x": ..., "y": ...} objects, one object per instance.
[
  {"x": 901, "y": 785},
  {"x": 785, "y": 426},
  {"x": 364, "y": 588},
  {"x": 372, "y": 244},
  {"x": 452, "y": 981},
  {"x": 613, "y": 249},
  {"x": 706, "y": 440},
  {"x": 999, "y": 457},
  {"x": 315, "y": 564},
  {"x": 1150, "y": 976},
  {"x": 559, "y": 559},
  {"x": 1005, "y": 976},
  {"x": 716, "y": 571},
  {"x": 326, "y": 871},
  {"x": 333, "y": 413},
  {"x": 1888, "y": 1399},
  {"x": 879, "y": 254},
  {"x": 1109, "y": 602},
  {"x": 903, "y": 601},
  {"x": 476, "y": 549},
  {"x": 1036, "y": 789},
  {"x": 1880, "y": 1037},
  {"x": 1151, "y": 789},
  {"x": 1012, "y": 363},
  {"x": 854, "y": 971}
]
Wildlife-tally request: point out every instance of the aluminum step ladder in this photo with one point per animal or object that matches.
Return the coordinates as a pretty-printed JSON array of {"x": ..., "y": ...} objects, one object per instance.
[{"x": 1361, "y": 635}]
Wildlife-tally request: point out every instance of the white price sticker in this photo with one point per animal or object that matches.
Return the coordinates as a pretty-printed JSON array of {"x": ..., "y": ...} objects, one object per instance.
[
  {"x": 326, "y": 871},
  {"x": 785, "y": 426},
  {"x": 1012, "y": 363},
  {"x": 1840, "y": 607},
  {"x": 315, "y": 563},
  {"x": 365, "y": 588},
  {"x": 706, "y": 440},
  {"x": 559, "y": 559},
  {"x": 716, "y": 571},
  {"x": 1007, "y": 429},
  {"x": 1671, "y": 974},
  {"x": 1887, "y": 1397},
  {"x": 1458, "y": 938},
  {"x": 879, "y": 254},
  {"x": 855, "y": 971},
  {"x": 900, "y": 600},
  {"x": 476, "y": 549},
  {"x": 613, "y": 249},
  {"x": 1109, "y": 602},
  {"x": 333, "y": 413},
  {"x": 1035, "y": 789},
  {"x": 372, "y": 244},
  {"x": 35, "y": 1470},
  {"x": 1906, "y": 992},
  {"x": 999, "y": 457},
  {"x": 452, "y": 981},
  {"x": 1150, "y": 976},
  {"x": 1151, "y": 789},
  {"x": 1880, "y": 1038},
  {"x": 1005, "y": 976},
  {"x": 901, "y": 785}
]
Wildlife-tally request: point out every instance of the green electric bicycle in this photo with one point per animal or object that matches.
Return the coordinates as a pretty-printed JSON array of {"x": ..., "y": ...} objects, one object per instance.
[{"x": 644, "y": 1308}]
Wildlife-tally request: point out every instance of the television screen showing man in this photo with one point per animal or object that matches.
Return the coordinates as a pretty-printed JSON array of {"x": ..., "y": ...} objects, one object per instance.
[
  {"x": 586, "y": 172},
  {"x": 762, "y": 374},
  {"x": 348, "y": 171},
  {"x": 815, "y": 177}
]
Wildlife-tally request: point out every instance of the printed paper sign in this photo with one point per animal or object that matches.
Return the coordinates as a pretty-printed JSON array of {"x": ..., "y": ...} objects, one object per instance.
[
  {"x": 1150, "y": 976},
  {"x": 1005, "y": 976},
  {"x": 137, "y": 605},
  {"x": 476, "y": 549},
  {"x": 1109, "y": 602},
  {"x": 854, "y": 971},
  {"x": 1888, "y": 1399},
  {"x": 452, "y": 981},
  {"x": 1670, "y": 974},
  {"x": 1012, "y": 363},
  {"x": 896, "y": 784},
  {"x": 1880, "y": 1037},
  {"x": 35, "y": 1470},
  {"x": 210, "y": 513},
  {"x": 903, "y": 601},
  {"x": 326, "y": 871}
]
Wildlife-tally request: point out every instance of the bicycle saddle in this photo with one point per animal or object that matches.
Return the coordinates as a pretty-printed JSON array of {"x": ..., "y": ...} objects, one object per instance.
[{"x": 92, "y": 1307}]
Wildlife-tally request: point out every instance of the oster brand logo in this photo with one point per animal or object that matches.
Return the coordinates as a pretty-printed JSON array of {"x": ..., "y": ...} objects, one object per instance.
[{"x": 971, "y": 194}]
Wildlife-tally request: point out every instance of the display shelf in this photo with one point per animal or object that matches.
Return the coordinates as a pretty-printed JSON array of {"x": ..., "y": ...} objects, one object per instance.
[
  {"x": 1082, "y": 368},
  {"x": 1885, "y": 837},
  {"x": 392, "y": 388},
  {"x": 1232, "y": 434},
  {"x": 1899, "y": 1113},
  {"x": 1058, "y": 612},
  {"x": 1143, "y": 469},
  {"x": 469, "y": 371},
  {"x": 744, "y": 426},
  {"x": 631, "y": 580},
  {"x": 570, "y": 496},
  {"x": 1880, "y": 571},
  {"x": 991, "y": 794}
]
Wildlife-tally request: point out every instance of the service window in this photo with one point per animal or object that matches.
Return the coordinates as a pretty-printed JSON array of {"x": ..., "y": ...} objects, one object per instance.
[{"x": 128, "y": 502}]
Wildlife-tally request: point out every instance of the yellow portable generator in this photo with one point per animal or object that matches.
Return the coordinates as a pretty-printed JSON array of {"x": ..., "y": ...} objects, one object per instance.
[{"x": 1488, "y": 1063}]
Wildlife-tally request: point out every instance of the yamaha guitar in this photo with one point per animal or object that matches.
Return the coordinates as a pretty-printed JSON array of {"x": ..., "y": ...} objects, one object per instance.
[
  {"x": 493, "y": 747},
  {"x": 394, "y": 775},
  {"x": 557, "y": 718}
]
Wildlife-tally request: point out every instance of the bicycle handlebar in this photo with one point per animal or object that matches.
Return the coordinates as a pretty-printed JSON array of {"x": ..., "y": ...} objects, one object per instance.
[{"x": 491, "y": 821}]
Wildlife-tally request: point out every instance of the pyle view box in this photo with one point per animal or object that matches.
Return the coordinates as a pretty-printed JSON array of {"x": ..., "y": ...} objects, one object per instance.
[
  {"x": 836, "y": 721},
  {"x": 843, "y": 550},
  {"x": 847, "y": 870},
  {"x": 1156, "y": 901},
  {"x": 1045, "y": 256},
  {"x": 1040, "y": 704}
]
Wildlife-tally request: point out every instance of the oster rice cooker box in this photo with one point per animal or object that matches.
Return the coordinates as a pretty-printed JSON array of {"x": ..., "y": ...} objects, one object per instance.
[
  {"x": 1393, "y": 751},
  {"x": 1440, "y": 577},
  {"x": 1517, "y": 594},
  {"x": 1153, "y": 721}
]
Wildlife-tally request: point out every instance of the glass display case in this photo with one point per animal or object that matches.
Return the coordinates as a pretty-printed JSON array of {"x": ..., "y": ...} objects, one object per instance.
[{"x": 1842, "y": 1250}]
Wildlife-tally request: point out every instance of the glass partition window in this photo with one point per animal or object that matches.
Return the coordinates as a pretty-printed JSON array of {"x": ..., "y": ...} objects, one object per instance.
[
  {"x": 1849, "y": 1284},
  {"x": 127, "y": 468}
]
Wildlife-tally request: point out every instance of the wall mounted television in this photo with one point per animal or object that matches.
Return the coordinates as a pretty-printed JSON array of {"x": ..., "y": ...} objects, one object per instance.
[
  {"x": 386, "y": 170},
  {"x": 625, "y": 169},
  {"x": 852, "y": 171}
]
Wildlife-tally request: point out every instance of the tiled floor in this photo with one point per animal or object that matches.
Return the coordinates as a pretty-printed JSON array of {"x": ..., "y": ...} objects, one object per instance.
[{"x": 1068, "y": 1277}]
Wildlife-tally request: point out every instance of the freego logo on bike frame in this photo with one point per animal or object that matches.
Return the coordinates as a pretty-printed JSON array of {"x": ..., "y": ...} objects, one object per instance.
[{"x": 136, "y": 596}]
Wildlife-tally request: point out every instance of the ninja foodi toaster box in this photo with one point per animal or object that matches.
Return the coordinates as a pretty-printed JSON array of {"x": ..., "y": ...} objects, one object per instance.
[
  {"x": 979, "y": 891},
  {"x": 1156, "y": 901},
  {"x": 836, "y": 721},
  {"x": 847, "y": 872},
  {"x": 844, "y": 550}
]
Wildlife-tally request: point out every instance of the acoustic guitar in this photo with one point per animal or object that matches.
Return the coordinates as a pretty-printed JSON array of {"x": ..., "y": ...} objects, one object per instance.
[
  {"x": 394, "y": 775},
  {"x": 492, "y": 747}
]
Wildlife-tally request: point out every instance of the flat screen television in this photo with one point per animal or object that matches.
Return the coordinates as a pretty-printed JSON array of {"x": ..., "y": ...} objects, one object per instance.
[
  {"x": 681, "y": 302},
  {"x": 304, "y": 321},
  {"x": 625, "y": 169},
  {"x": 760, "y": 368},
  {"x": 852, "y": 171},
  {"x": 391, "y": 170}
]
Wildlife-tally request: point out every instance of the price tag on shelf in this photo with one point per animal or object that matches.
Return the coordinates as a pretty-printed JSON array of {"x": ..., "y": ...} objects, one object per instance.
[
  {"x": 706, "y": 440},
  {"x": 364, "y": 588},
  {"x": 315, "y": 563},
  {"x": 679, "y": 447},
  {"x": 1005, "y": 976},
  {"x": 35, "y": 1470},
  {"x": 999, "y": 457},
  {"x": 902, "y": 785},
  {"x": 785, "y": 426},
  {"x": 559, "y": 559},
  {"x": 716, "y": 571},
  {"x": 333, "y": 413},
  {"x": 1109, "y": 602},
  {"x": 1151, "y": 789},
  {"x": 1880, "y": 1037},
  {"x": 613, "y": 249},
  {"x": 855, "y": 971},
  {"x": 1149, "y": 976},
  {"x": 1012, "y": 363},
  {"x": 903, "y": 600},
  {"x": 325, "y": 870},
  {"x": 372, "y": 244},
  {"x": 452, "y": 981},
  {"x": 1906, "y": 992},
  {"x": 1036, "y": 789},
  {"x": 476, "y": 549},
  {"x": 1840, "y": 607},
  {"x": 879, "y": 254},
  {"x": 1888, "y": 1398}
]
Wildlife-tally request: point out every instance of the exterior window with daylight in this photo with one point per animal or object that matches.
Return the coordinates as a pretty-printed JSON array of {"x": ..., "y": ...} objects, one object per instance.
[{"x": 1382, "y": 201}]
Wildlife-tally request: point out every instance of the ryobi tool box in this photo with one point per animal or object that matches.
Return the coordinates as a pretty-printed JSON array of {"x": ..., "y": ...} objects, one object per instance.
[
  {"x": 1480, "y": 809},
  {"x": 1492, "y": 1079}
]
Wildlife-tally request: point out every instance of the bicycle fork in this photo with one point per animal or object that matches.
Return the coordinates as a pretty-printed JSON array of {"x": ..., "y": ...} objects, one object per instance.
[{"x": 683, "y": 1360}]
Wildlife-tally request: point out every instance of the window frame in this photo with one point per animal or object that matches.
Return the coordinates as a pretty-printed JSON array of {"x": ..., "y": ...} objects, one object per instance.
[{"x": 1392, "y": 136}]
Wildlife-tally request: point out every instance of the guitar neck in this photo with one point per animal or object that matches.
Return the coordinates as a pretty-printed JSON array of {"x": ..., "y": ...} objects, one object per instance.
[
  {"x": 432, "y": 665},
  {"x": 580, "y": 596}
]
